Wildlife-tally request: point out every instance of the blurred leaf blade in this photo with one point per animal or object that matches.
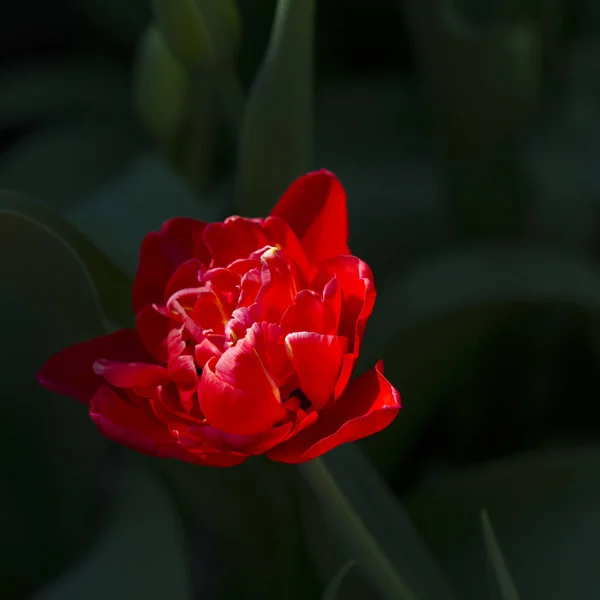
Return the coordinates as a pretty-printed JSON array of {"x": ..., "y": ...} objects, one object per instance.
[
  {"x": 333, "y": 589},
  {"x": 276, "y": 142},
  {"x": 139, "y": 200},
  {"x": 267, "y": 519},
  {"x": 108, "y": 289},
  {"x": 140, "y": 554},
  {"x": 507, "y": 588},
  {"x": 159, "y": 87},
  {"x": 200, "y": 32},
  {"x": 360, "y": 506},
  {"x": 550, "y": 557}
]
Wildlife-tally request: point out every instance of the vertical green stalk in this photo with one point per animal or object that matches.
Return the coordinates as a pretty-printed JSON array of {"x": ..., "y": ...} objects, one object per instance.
[
  {"x": 367, "y": 552},
  {"x": 276, "y": 143}
]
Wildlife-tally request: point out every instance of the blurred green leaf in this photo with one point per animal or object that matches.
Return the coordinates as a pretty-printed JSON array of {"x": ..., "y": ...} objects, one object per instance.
[
  {"x": 333, "y": 589},
  {"x": 35, "y": 91},
  {"x": 54, "y": 455},
  {"x": 66, "y": 161},
  {"x": 276, "y": 142},
  {"x": 483, "y": 84},
  {"x": 118, "y": 216},
  {"x": 544, "y": 505},
  {"x": 253, "y": 502},
  {"x": 159, "y": 87},
  {"x": 505, "y": 582},
  {"x": 199, "y": 32},
  {"x": 54, "y": 460},
  {"x": 140, "y": 553},
  {"x": 75, "y": 285},
  {"x": 429, "y": 320},
  {"x": 373, "y": 528},
  {"x": 223, "y": 25}
]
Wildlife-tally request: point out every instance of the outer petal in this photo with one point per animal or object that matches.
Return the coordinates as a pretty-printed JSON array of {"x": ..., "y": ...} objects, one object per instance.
[
  {"x": 355, "y": 280},
  {"x": 160, "y": 255},
  {"x": 236, "y": 238},
  {"x": 134, "y": 425},
  {"x": 247, "y": 444},
  {"x": 315, "y": 207},
  {"x": 283, "y": 236},
  {"x": 317, "y": 359},
  {"x": 130, "y": 374},
  {"x": 187, "y": 275},
  {"x": 369, "y": 404},
  {"x": 153, "y": 328},
  {"x": 71, "y": 373}
]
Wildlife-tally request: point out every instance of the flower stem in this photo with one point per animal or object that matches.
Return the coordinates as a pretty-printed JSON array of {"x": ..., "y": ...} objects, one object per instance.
[{"x": 368, "y": 553}]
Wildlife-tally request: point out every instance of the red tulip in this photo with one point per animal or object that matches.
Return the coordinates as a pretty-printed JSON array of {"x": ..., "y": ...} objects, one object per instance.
[{"x": 247, "y": 333}]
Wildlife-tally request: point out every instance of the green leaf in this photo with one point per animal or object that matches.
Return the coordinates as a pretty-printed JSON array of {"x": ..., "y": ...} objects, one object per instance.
[
  {"x": 276, "y": 142},
  {"x": 266, "y": 518},
  {"x": 505, "y": 582},
  {"x": 118, "y": 216},
  {"x": 545, "y": 504},
  {"x": 333, "y": 589},
  {"x": 75, "y": 286},
  {"x": 199, "y": 32},
  {"x": 159, "y": 87},
  {"x": 483, "y": 85},
  {"x": 53, "y": 453},
  {"x": 140, "y": 553},
  {"x": 373, "y": 528},
  {"x": 63, "y": 162},
  {"x": 443, "y": 307},
  {"x": 37, "y": 91}
]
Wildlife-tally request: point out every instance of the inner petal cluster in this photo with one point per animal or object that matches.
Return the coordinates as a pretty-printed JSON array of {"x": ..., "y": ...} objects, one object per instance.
[{"x": 239, "y": 341}]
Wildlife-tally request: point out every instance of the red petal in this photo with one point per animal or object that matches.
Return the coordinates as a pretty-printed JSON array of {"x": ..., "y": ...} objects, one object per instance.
[
  {"x": 153, "y": 329},
  {"x": 226, "y": 285},
  {"x": 133, "y": 424},
  {"x": 348, "y": 363},
  {"x": 160, "y": 255},
  {"x": 315, "y": 207},
  {"x": 249, "y": 287},
  {"x": 268, "y": 342},
  {"x": 182, "y": 372},
  {"x": 247, "y": 444},
  {"x": 369, "y": 404},
  {"x": 187, "y": 275},
  {"x": 237, "y": 395},
  {"x": 317, "y": 359},
  {"x": 70, "y": 372},
  {"x": 235, "y": 238},
  {"x": 355, "y": 280},
  {"x": 332, "y": 296},
  {"x": 209, "y": 313},
  {"x": 204, "y": 351},
  {"x": 130, "y": 374},
  {"x": 283, "y": 236},
  {"x": 278, "y": 289},
  {"x": 309, "y": 313}
]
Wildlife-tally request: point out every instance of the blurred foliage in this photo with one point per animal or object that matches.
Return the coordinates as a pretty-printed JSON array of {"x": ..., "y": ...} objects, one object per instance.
[{"x": 467, "y": 137}]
